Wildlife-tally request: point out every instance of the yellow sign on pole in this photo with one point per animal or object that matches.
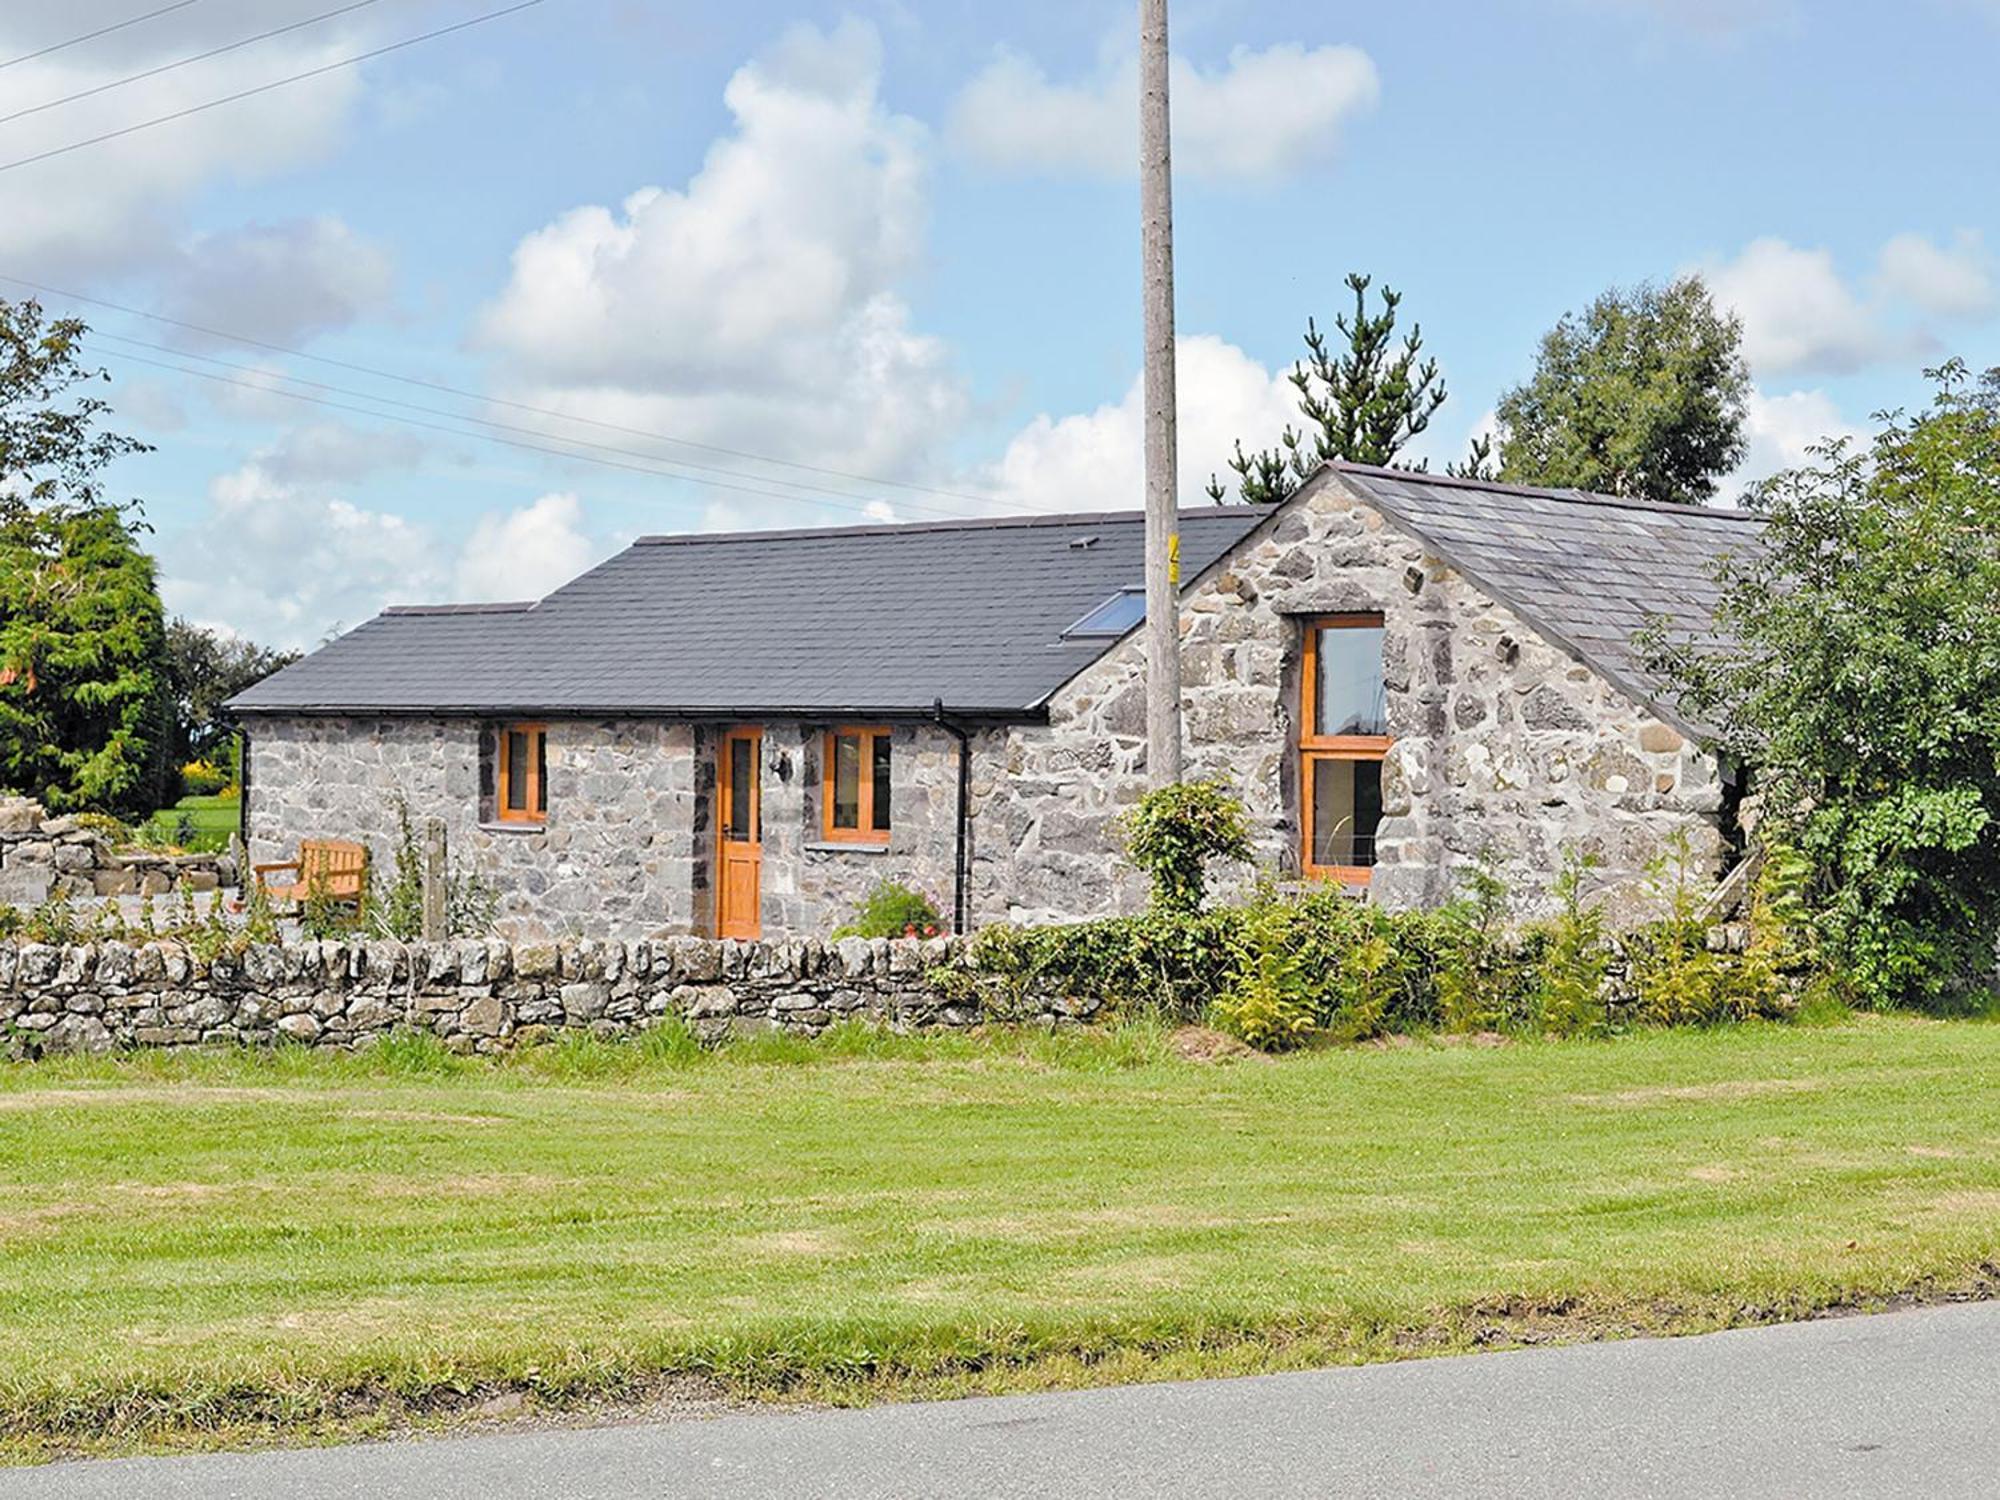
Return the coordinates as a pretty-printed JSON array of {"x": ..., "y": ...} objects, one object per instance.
[{"x": 1174, "y": 559}]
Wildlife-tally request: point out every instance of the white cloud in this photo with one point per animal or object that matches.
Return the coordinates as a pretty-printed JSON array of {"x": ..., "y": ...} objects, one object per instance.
[
  {"x": 1798, "y": 314},
  {"x": 1095, "y": 460},
  {"x": 281, "y": 283},
  {"x": 525, "y": 553},
  {"x": 1951, "y": 281},
  {"x": 117, "y": 205},
  {"x": 1781, "y": 430},
  {"x": 1263, "y": 115},
  {"x": 339, "y": 452},
  {"x": 284, "y": 562},
  {"x": 759, "y": 306}
]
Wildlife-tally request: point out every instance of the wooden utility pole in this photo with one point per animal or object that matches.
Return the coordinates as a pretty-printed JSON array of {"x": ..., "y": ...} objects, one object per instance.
[{"x": 1163, "y": 542}]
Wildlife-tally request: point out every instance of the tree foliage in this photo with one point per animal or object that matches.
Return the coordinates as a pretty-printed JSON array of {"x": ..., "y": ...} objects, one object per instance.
[
  {"x": 208, "y": 668},
  {"x": 1863, "y": 683},
  {"x": 51, "y": 455},
  {"x": 1641, "y": 396},
  {"x": 1363, "y": 403},
  {"x": 85, "y": 712},
  {"x": 85, "y": 716},
  {"x": 1176, "y": 830}
]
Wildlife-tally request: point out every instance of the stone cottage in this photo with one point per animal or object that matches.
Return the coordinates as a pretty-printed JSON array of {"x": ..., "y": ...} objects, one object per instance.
[{"x": 741, "y": 735}]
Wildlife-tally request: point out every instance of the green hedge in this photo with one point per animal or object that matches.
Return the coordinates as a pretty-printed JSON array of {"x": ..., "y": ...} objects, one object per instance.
[{"x": 1291, "y": 966}]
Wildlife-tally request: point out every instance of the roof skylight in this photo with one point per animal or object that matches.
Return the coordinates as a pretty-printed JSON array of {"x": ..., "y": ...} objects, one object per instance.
[{"x": 1112, "y": 618}]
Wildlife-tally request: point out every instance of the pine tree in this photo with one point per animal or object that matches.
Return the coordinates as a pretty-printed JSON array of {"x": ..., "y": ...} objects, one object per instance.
[{"x": 1364, "y": 403}]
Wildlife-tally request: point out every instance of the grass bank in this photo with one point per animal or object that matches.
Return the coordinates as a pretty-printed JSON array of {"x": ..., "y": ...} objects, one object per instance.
[
  {"x": 200, "y": 824},
  {"x": 213, "y": 1248}
]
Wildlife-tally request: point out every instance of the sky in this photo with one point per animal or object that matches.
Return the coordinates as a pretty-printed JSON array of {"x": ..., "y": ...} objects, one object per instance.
[{"x": 457, "y": 321}]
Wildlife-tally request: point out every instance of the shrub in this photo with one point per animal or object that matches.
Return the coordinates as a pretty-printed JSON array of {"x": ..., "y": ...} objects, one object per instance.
[
  {"x": 201, "y": 778},
  {"x": 1171, "y": 962},
  {"x": 1575, "y": 959},
  {"x": 893, "y": 910},
  {"x": 396, "y": 909},
  {"x": 1857, "y": 673},
  {"x": 1319, "y": 961},
  {"x": 1477, "y": 960},
  {"x": 1176, "y": 830}
]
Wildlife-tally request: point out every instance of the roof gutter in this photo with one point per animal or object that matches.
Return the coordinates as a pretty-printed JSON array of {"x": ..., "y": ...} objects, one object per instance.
[{"x": 960, "y": 914}]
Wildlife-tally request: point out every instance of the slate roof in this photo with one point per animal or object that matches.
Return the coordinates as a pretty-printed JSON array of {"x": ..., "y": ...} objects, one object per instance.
[
  {"x": 882, "y": 621},
  {"x": 870, "y": 620},
  {"x": 1586, "y": 570}
]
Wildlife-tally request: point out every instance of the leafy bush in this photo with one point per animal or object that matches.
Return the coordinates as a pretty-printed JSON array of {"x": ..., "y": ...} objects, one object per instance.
[
  {"x": 396, "y": 909},
  {"x": 200, "y": 778},
  {"x": 1859, "y": 676},
  {"x": 1171, "y": 962},
  {"x": 893, "y": 910},
  {"x": 1319, "y": 961},
  {"x": 1176, "y": 830},
  {"x": 1289, "y": 967},
  {"x": 1575, "y": 960}
]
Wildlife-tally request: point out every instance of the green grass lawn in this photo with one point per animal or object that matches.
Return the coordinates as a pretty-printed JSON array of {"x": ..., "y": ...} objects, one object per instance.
[
  {"x": 241, "y": 1243},
  {"x": 214, "y": 819}
]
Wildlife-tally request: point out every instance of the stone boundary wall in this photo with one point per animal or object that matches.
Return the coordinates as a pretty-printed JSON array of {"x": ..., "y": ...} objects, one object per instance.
[
  {"x": 476, "y": 994},
  {"x": 43, "y": 856}
]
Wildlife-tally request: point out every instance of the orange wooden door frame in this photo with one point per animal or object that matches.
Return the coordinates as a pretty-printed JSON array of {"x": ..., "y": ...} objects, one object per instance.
[{"x": 739, "y": 862}]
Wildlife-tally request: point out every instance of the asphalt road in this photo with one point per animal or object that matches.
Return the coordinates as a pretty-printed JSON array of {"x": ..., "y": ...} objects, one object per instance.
[{"x": 1900, "y": 1404}]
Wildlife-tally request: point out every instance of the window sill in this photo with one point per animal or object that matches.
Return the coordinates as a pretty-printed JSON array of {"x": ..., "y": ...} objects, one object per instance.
[
  {"x": 846, "y": 846},
  {"x": 513, "y": 828}
]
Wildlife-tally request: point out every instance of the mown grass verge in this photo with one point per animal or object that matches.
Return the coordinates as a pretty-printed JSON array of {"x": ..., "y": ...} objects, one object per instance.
[{"x": 215, "y": 1249}]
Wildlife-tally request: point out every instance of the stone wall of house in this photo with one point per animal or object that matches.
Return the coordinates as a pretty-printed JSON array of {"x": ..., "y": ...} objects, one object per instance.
[
  {"x": 43, "y": 856},
  {"x": 618, "y": 853},
  {"x": 629, "y": 842},
  {"x": 812, "y": 885},
  {"x": 1505, "y": 745},
  {"x": 478, "y": 995}
]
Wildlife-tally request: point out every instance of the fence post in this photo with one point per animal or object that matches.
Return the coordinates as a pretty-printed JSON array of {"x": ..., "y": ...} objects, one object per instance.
[{"x": 434, "y": 880}]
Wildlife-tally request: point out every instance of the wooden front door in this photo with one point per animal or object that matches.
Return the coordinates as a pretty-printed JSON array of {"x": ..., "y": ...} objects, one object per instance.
[{"x": 740, "y": 835}]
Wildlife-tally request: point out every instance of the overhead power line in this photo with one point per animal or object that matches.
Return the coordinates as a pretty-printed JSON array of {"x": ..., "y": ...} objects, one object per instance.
[
  {"x": 265, "y": 88},
  {"x": 93, "y": 35},
  {"x": 521, "y": 406},
  {"x": 655, "y": 467},
  {"x": 119, "y": 83},
  {"x": 677, "y": 467}
]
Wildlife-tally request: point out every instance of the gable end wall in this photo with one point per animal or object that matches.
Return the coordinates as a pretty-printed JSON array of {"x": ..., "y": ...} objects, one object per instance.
[{"x": 1505, "y": 744}]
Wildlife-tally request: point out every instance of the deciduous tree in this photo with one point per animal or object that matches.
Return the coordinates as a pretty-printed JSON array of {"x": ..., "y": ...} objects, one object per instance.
[
  {"x": 1860, "y": 677},
  {"x": 85, "y": 712},
  {"x": 1641, "y": 396}
]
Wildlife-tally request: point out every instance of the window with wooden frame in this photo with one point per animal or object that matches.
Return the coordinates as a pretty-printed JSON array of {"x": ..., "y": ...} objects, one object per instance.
[
  {"x": 854, "y": 786},
  {"x": 1343, "y": 738},
  {"x": 521, "y": 787}
]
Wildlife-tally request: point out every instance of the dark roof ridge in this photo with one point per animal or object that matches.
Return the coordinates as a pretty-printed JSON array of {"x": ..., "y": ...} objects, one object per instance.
[
  {"x": 957, "y": 523},
  {"x": 1575, "y": 497},
  {"x": 498, "y": 607}
]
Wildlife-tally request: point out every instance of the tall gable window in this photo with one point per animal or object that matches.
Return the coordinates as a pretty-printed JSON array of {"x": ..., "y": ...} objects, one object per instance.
[
  {"x": 855, "y": 786},
  {"x": 1343, "y": 737},
  {"x": 521, "y": 790}
]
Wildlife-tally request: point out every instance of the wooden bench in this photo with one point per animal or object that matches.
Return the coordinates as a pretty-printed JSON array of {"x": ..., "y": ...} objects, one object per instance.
[{"x": 332, "y": 869}]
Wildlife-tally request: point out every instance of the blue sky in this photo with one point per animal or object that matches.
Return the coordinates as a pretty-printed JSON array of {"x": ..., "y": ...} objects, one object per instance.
[{"x": 899, "y": 241}]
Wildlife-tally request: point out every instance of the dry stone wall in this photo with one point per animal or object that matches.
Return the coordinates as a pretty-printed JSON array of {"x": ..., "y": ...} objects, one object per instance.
[
  {"x": 43, "y": 857},
  {"x": 477, "y": 995}
]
